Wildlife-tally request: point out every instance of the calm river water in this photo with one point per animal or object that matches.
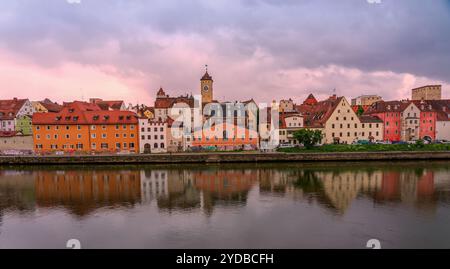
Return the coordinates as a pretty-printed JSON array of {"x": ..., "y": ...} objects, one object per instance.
[{"x": 317, "y": 205}]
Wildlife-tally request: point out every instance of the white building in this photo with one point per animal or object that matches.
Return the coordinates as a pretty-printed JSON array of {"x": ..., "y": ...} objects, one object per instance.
[
  {"x": 152, "y": 136},
  {"x": 11, "y": 110},
  {"x": 290, "y": 123}
]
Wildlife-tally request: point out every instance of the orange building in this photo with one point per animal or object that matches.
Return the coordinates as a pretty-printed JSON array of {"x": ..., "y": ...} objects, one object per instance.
[{"x": 85, "y": 127}]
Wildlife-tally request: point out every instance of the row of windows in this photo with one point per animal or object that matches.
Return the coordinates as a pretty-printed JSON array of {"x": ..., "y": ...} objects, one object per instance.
[
  {"x": 93, "y": 127},
  {"x": 363, "y": 134},
  {"x": 345, "y": 118},
  {"x": 161, "y": 129},
  {"x": 224, "y": 138},
  {"x": 333, "y": 126},
  {"x": 149, "y": 137},
  {"x": 79, "y": 136},
  {"x": 93, "y": 146}
]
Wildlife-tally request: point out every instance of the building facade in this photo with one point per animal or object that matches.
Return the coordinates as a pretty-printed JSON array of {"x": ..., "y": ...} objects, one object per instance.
[
  {"x": 339, "y": 123},
  {"x": 85, "y": 127},
  {"x": 366, "y": 100},
  {"x": 430, "y": 92},
  {"x": 152, "y": 136}
]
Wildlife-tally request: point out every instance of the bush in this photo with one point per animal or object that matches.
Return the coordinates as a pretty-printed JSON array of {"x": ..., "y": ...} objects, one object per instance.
[{"x": 308, "y": 138}]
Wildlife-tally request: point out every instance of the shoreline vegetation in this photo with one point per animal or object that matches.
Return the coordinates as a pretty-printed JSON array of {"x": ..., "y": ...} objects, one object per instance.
[{"x": 369, "y": 148}]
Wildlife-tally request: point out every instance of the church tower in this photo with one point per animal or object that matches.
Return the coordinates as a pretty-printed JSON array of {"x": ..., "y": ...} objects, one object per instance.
[{"x": 206, "y": 87}]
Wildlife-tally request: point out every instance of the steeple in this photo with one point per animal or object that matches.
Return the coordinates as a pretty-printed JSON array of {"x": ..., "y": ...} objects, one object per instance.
[
  {"x": 161, "y": 93},
  {"x": 206, "y": 76}
]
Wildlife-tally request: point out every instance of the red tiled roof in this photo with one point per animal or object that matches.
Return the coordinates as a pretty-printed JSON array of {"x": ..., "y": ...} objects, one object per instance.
[
  {"x": 50, "y": 106},
  {"x": 8, "y": 133},
  {"x": 84, "y": 113},
  {"x": 317, "y": 115},
  {"x": 370, "y": 119},
  {"x": 387, "y": 106},
  {"x": 168, "y": 102},
  {"x": 310, "y": 100},
  {"x": 10, "y": 108}
]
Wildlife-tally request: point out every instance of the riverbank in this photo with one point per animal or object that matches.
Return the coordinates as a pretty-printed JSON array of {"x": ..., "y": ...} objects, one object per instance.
[{"x": 180, "y": 158}]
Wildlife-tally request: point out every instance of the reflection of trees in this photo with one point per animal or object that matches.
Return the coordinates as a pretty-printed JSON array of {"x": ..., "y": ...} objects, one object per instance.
[
  {"x": 185, "y": 199},
  {"x": 309, "y": 182}
]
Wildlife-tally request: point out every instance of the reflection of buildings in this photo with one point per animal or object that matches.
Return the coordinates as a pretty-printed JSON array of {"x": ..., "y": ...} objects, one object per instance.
[
  {"x": 224, "y": 187},
  {"x": 181, "y": 194},
  {"x": 337, "y": 189},
  {"x": 153, "y": 184},
  {"x": 342, "y": 188},
  {"x": 16, "y": 191},
  {"x": 83, "y": 191}
]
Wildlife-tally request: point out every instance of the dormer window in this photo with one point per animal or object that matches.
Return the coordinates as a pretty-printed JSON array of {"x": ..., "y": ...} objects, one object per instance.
[
  {"x": 120, "y": 117},
  {"x": 106, "y": 117},
  {"x": 68, "y": 118},
  {"x": 71, "y": 110},
  {"x": 96, "y": 117},
  {"x": 128, "y": 117},
  {"x": 58, "y": 118},
  {"x": 75, "y": 118}
]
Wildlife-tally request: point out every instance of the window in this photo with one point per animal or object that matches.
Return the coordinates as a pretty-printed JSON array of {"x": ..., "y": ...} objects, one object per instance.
[
  {"x": 156, "y": 137},
  {"x": 67, "y": 127},
  {"x": 125, "y": 145},
  {"x": 124, "y": 135},
  {"x": 93, "y": 127},
  {"x": 94, "y": 146},
  {"x": 38, "y": 128},
  {"x": 149, "y": 129},
  {"x": 79, "y": 127},
  {"x": 94, "y": 136},
  {"x": 162, "y": 137},
  {"x": 103, "y": 135},
  {"x": 142, "y": 129},
  {"x": 48, "y": 127},
  {"x": 104, "y": 127},
  {"x": 161, "y": 129},
  {"x": 117, "y": 135},
  {"x": 332, "y": 125},
  {"x": 155, "y": 129},
  {"x": 132, "y": 127},
  {"x": 143, "y": 137},
  {"x": 38, "y": 137},
  {"x": 132, "y": 135},
  {"x": 131, "y": 145},
  {"x": 79, "y": 136},
  {"x": 67, "y": 136},
  {"x": 79, "y": 146},
  {"x": 117, "y": 127},
  {"x": 149, "y": 137},
  {"x": 117, "y": 145},
  {"x": 124, "y": 127},
  {"x": 155, "y": 145},
  {"x": 104, "y": 145},
  {"x": 162, "y": 145},
  {"x": 55, "y": 136}
]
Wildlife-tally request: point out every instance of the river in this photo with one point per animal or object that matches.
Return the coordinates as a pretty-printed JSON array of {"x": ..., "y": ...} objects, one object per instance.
[{"x": 309, "y": 205}]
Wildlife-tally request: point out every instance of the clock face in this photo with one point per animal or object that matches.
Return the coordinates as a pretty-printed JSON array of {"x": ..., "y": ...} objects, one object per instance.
[{"x": 205, "y": 88}]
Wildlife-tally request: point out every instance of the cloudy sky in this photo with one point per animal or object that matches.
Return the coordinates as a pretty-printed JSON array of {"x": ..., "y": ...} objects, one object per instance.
[{"x": 265, "y": 49}]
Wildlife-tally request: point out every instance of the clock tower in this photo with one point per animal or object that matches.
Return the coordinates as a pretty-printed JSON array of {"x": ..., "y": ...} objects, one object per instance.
[{"x": 206, "y": 87}]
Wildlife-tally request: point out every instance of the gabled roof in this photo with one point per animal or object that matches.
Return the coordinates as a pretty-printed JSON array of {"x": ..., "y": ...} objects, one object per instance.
[
  {"x": 387, "y": 106},
  {"x": 317, "y": 115},
  {"x": 50, "y": 106},
  {"x": 370, "y": 119},
  {"x": 10, "y": 108}
]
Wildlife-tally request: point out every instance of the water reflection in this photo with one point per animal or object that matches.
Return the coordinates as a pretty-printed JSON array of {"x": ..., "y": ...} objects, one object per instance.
[{"x": 335, "y": 188}]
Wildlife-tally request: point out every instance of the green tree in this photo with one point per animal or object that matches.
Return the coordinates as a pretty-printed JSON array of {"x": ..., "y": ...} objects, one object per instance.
[
  {"x": 308, "y": 138},
  {"x": 360, "y": 111}
]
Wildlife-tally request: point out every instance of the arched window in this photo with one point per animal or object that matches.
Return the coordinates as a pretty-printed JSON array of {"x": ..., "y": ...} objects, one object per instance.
[
  {"x": 155, "y": 145},
  {"x": 162, "y": 145}
]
